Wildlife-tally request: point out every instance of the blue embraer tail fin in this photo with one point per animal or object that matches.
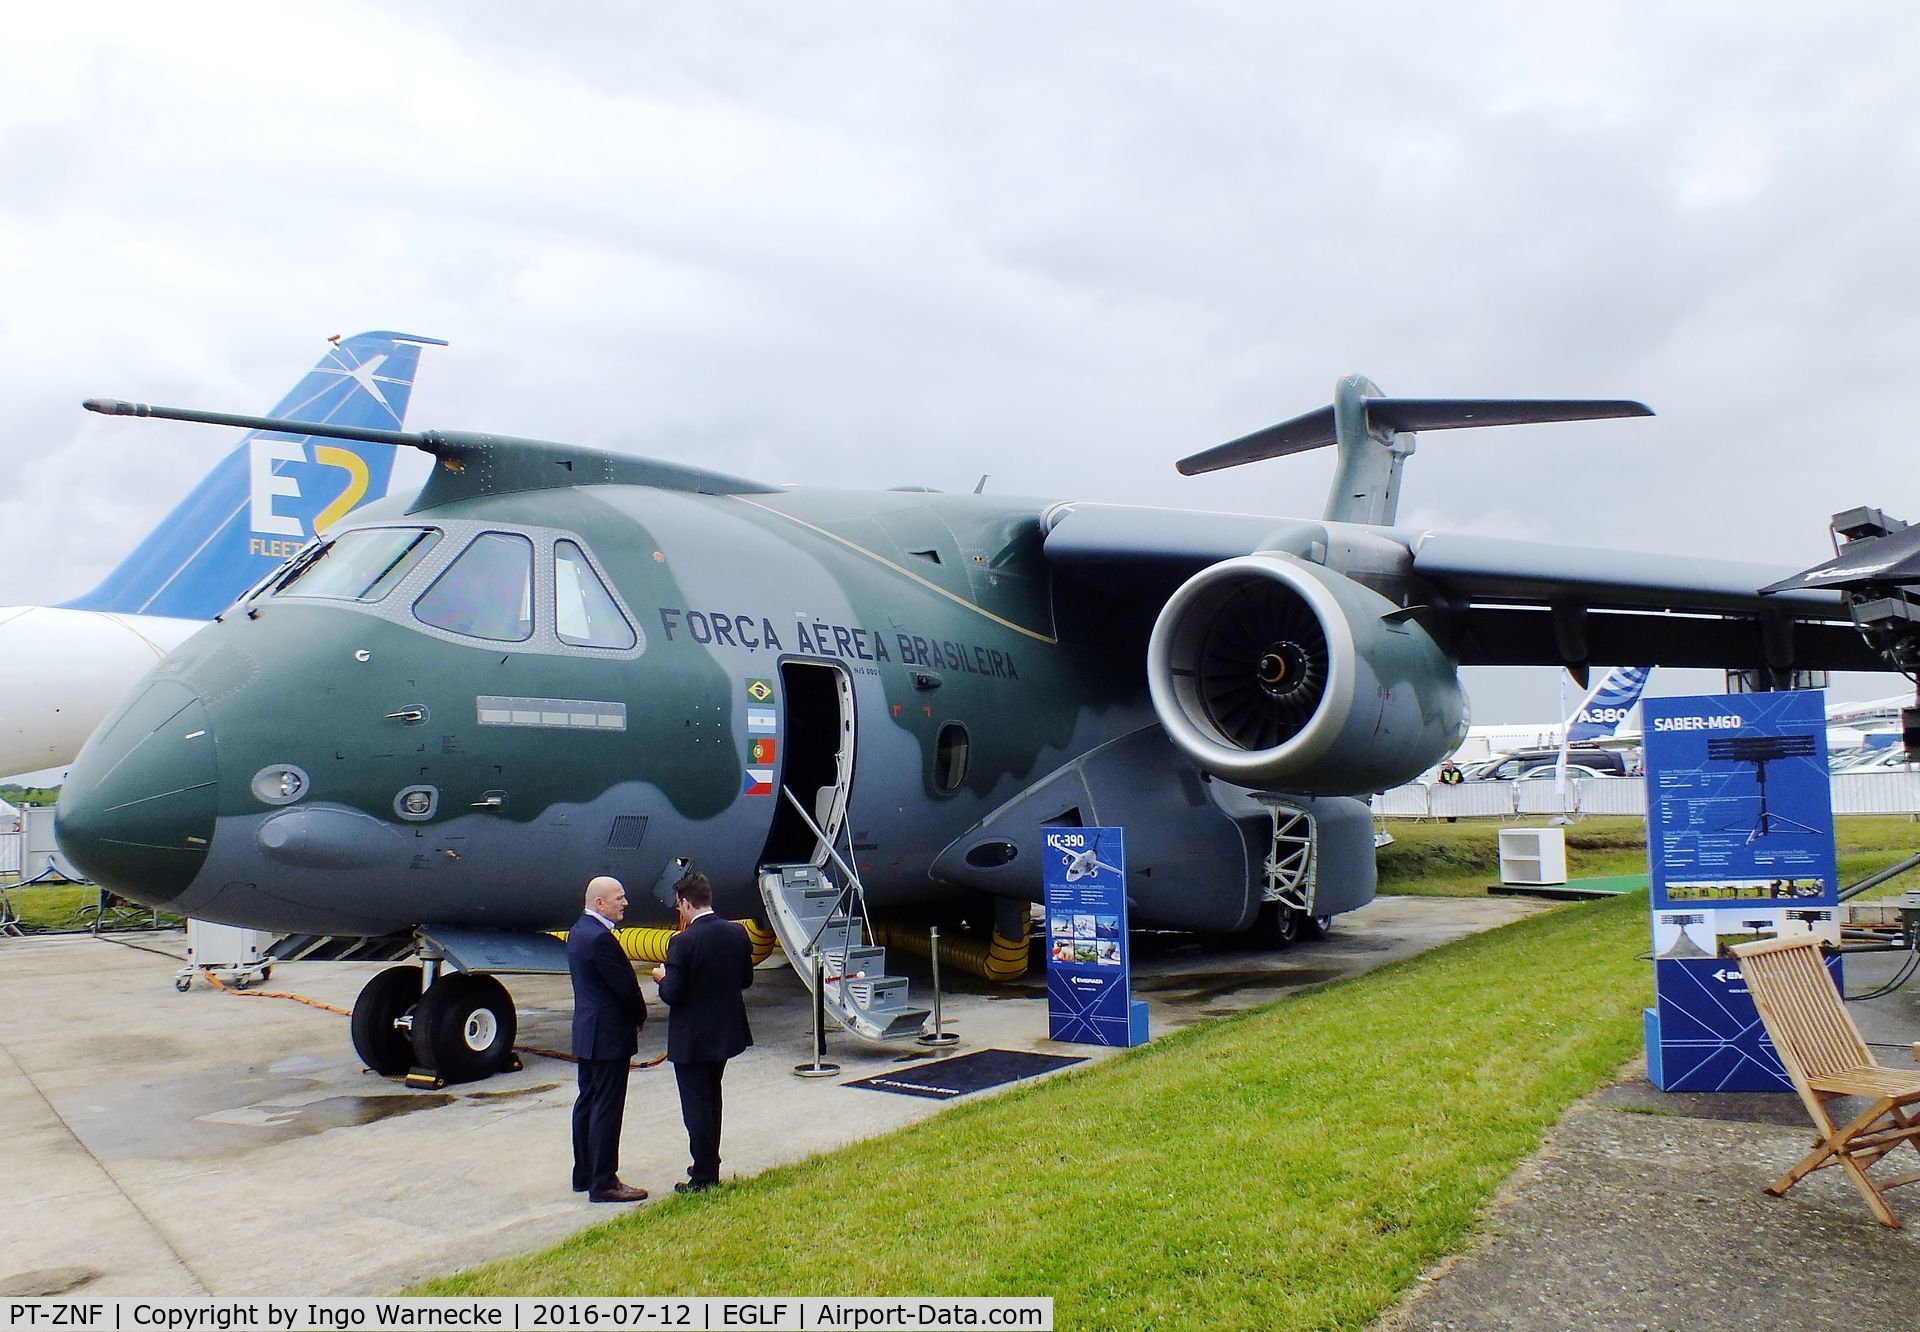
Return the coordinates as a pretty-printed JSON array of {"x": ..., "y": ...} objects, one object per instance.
[
  {"x": 1602, "y": 711},
  {"x": 266, "y": 498}
]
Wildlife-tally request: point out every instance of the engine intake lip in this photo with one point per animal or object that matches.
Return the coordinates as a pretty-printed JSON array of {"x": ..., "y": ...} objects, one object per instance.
[{"x": 1175, "y": 667}]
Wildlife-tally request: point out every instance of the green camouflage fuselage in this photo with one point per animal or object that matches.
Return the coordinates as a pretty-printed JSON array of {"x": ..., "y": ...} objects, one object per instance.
[{"x": 546, "y": 763}]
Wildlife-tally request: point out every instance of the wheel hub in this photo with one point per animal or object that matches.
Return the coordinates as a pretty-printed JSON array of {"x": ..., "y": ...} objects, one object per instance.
[{"x": 481, "y": 1029}]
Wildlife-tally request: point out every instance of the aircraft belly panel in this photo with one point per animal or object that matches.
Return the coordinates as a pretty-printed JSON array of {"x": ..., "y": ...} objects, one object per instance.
[{"x": 476, "y": 870}]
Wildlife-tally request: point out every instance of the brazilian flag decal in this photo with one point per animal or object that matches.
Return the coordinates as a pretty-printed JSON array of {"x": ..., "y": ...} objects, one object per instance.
[{"x": 759, "y": 690}]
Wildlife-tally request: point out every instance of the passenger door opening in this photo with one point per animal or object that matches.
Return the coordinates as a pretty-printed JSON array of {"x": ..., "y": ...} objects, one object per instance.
[{"x": 815, "y": 760}]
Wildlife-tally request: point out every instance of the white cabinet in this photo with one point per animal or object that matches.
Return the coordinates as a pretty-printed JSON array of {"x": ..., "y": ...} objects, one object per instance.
[{"x": 1533, "y": 855}]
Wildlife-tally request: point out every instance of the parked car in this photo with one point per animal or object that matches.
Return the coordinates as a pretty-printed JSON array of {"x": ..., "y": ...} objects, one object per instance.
[
  {"x": 1574, "y": 771},
  {"x": 1526, "y": 762},
  {"x": 1875, "y": 760}
]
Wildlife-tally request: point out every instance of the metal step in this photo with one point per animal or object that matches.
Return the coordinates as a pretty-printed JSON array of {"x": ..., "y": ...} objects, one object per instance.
[{"x": 810, "y": 917}]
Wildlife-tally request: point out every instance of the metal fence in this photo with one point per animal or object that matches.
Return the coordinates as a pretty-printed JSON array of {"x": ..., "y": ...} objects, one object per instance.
[{"x": 1885, "y": 792}]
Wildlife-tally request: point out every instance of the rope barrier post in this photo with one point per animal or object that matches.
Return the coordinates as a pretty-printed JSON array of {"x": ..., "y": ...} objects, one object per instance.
[
  {"x": 937, "y": 1038},
  {"x": 818, "y": 1068}
]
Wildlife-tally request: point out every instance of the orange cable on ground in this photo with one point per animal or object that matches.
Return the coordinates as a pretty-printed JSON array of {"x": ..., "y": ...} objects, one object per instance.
[{"x": 214, "y": 981}]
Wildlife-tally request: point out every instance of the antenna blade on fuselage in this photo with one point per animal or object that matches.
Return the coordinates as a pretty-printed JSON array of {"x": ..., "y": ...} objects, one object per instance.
[{"x": 115, "y": 407}]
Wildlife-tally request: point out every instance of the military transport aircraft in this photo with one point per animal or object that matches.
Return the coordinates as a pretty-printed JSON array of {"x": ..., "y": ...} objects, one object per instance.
[{"x": 438, "y": 723}]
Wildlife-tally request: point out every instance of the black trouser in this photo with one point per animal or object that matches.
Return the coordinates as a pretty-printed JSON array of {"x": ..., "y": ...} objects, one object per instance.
[
  {"x": 597, "y": 1113},
  {"x": 700, "y": 1111}
]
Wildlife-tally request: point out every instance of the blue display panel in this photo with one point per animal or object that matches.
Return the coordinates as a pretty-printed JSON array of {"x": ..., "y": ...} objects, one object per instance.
[
  {"x": 1709, "y": 1034},
  {"x": 1089, "y": 977},
  {"x": 1739, "y": 847}
]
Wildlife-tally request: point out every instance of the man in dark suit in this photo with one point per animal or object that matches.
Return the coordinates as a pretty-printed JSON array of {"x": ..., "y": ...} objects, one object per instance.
[
  {"x": 709, "y": 962},
  {"x": 608, "y": 1013}
]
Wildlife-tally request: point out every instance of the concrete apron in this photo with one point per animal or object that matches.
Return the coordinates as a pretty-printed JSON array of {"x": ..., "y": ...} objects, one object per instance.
[{"x": 154, "y": 1143}]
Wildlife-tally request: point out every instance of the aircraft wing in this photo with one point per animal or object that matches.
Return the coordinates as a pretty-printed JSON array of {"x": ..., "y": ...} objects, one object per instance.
[{"x": 1497, "y": 601}]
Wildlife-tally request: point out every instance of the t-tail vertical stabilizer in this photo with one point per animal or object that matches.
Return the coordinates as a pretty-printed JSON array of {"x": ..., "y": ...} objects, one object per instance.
[
  {"x": 269, "y": 496},
  {"x": 1611, "y": 703}
]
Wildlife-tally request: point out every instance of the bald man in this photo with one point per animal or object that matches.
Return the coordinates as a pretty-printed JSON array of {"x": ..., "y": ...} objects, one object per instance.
[{"x": 608, "y": 1013}]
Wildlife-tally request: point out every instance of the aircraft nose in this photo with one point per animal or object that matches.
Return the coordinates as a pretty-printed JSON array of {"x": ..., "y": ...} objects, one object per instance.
[{"x": 137, "y": 811}]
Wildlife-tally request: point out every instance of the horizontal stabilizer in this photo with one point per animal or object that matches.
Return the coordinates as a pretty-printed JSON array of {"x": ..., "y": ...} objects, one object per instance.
[{"x": 1316, "y": 429}]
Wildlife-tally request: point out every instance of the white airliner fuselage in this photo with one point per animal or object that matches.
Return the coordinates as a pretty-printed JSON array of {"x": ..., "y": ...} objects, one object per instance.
[{"x": 61, "y": 671}]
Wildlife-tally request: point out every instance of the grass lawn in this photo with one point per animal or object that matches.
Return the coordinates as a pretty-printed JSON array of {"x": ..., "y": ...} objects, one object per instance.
[
  {"x": 1440, "y": 859},
  {"x": 1294, "y": 1167},
  {"x": 66, "y": 907}
]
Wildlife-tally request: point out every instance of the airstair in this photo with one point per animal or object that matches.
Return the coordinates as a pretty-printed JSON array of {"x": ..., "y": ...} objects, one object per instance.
[{"x": 815, "y": 917}]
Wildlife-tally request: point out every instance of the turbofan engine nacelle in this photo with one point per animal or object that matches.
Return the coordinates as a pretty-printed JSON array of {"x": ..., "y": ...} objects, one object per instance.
[{"x": 1275, "y": 673}]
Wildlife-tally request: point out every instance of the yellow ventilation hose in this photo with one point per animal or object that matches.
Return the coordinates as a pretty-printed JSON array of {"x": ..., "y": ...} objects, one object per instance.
[
  {"x": 649, "y": 943},
  {"x": 762, "y": 940},
  {"x": 997, "y": 959},
  {"x": 645, "y": 943}
]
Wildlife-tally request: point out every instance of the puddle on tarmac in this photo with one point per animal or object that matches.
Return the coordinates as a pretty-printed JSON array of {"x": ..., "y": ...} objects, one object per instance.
[
  {"x": 517, "y": 1091},
  {"x": 44, "y": 1283},
  {"x": 184, "y": 1118},
  {"x": 331, "y": 1112}
]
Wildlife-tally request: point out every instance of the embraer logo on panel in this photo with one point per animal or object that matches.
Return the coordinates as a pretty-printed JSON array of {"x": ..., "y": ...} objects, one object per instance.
[{"x": 281, "y": 507}]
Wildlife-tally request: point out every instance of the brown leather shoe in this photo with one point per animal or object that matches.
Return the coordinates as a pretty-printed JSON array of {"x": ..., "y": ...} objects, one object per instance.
[{"x": 619, "y": 1193}]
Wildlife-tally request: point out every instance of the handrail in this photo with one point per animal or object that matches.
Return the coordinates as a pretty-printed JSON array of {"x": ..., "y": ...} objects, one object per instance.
[{"x": 853, "y": 885}]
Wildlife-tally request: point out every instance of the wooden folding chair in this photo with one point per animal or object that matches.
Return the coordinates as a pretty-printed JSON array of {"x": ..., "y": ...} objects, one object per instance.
[{"x": 1825, "y": 1057}]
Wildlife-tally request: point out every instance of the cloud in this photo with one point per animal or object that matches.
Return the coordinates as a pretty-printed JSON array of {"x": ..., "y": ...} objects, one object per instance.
[{"x": 1061, "y": 244}]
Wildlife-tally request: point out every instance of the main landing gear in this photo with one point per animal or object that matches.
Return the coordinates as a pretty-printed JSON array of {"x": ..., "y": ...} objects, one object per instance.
[
  {"x": 435, "y": 1028},
  {"x": 1282, "y": 926}
]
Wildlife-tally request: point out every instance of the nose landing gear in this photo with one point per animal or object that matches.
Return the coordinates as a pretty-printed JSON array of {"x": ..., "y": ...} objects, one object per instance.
[
  {"x": 459, "y": 1027},
  {"x": 463, "y": 1028},
  {"x": 382, "y": 1016}
]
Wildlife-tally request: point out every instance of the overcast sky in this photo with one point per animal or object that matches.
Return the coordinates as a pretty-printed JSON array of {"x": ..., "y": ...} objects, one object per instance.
[{"x": 1063, "y": 244}]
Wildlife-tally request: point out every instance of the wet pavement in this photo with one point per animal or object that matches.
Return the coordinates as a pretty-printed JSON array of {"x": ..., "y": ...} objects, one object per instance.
[{"x": 155, "y": 1143}]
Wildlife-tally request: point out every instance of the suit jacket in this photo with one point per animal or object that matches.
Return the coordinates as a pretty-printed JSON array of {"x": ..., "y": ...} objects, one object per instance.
[
  {"x": 608, "y": 1010},
  {"x": 708, "y": 964}
]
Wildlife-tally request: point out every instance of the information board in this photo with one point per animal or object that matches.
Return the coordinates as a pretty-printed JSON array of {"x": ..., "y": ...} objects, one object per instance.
[
  {"x": 1089, "y": 976},
  {"x": 1739, "y": 847}
]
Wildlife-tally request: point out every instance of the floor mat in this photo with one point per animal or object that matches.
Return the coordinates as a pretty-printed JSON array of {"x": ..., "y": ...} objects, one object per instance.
[{"x": 946, "y": 1078}]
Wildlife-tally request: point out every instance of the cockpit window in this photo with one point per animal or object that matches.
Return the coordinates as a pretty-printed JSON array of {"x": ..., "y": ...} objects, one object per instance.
[
  {"x": 586, "y": 611},
  {"x": 486, "y": 593},
  {"x": 358, "y": 566}
]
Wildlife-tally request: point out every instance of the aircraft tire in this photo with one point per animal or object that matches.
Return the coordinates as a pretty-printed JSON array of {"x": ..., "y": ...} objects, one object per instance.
[
  {"x": 381, "y": 1046},
  {"x": 1277, "y": 926},
  {"x": 1315, "y": 927},
  {"x": 464, "y": 1027}
]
